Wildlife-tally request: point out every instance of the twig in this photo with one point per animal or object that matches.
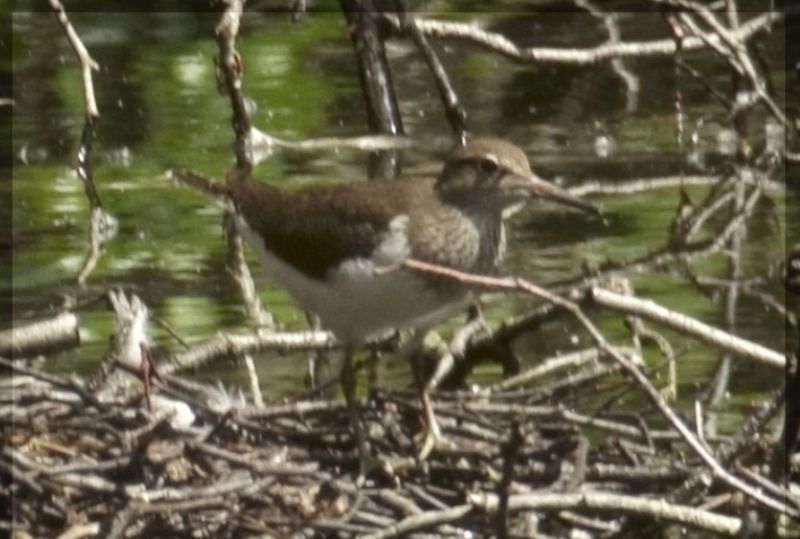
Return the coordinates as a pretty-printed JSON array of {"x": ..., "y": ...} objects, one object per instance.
[
  {"x": 383, "y": 111},
  {"x": 85, "y": 395},
  {"x": 255, "y": 386},
  {"x": 78, "y": 531},
  {"x": 628, "y": 78},
  {"x": 230, "y": 64},
  {"x": 633, "y": 186},
  {"x": 226, "y": 345},
  {"x": 502, "y": 45},
  {"x": 681, "y": 322},
  {"x": 42, "y": 337},
  {"x": 368, "y": 143},
  {"x": 240, "y": 272},
  {"x": 605, "y": 501},
  {"x": 455, "y": 113},
  {"x": 87, "y": 62},
  {"x": 736, "y": 52},
  {"x": 428, "y": 519},
  {"x": 520, "y": 285},
  {"x": 510, "y": 452},
  {"x": 546, "y": 367},
  {"x": 102, "y": 225}
]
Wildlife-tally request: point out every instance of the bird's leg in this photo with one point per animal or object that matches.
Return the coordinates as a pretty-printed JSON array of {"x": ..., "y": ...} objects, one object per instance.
[
  {"x": 447, "y": 355},
  {"x": 414, "y": 349},
  {"x": 318, "y": 378},
  {"x": 349, "y": 388},
  {"x": 147, "y": 368},
  {"x": 433, "y": 434},
  {"x": 311, "y": 378},
  {"x": 374, "y": 375}
]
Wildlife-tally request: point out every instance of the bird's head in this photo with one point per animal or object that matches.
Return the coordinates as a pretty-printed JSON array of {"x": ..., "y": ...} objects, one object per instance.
[{"x": 494, "y": 175}]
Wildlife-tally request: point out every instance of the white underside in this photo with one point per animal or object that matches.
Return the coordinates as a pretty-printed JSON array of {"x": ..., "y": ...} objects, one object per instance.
[{"x": 355, "y": 301}]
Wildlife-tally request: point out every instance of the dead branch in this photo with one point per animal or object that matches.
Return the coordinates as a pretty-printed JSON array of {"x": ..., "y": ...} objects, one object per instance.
[
  {"x": 520, "y": 285},
  {"x": 502, "y": 45},
  {"x": 604, "y": 501},
  {"x": 87, "y": 62},
  {"x": 43, "y": 337},
  {"x": 680, "y": 322}
]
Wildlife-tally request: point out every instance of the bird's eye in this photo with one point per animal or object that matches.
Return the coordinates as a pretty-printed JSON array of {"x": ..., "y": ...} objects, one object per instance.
[{"x": 487, "y": 166}]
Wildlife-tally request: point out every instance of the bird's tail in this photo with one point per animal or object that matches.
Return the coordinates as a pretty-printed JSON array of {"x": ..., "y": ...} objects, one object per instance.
[{"x": 218, "y": 191}]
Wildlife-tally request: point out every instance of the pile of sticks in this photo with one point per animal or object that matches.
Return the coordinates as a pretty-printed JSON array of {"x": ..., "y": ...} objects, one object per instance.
[{"x": 79, "y": 464}]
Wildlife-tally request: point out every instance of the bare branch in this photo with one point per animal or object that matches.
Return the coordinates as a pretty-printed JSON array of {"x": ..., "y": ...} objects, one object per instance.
[
  {"x": 500, "y": 44},
  {"x": 58, "y": 333},
  {"x": 681, "y": 322},
  {"x": 520, "y": 285},
  {"x": 230, "y": 65},
  {"x": 606, "y": 501},
  {"x": 87, "y": 63}
]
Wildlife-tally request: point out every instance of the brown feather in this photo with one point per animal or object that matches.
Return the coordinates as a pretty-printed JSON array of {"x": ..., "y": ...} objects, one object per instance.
[{"x": 316, "y": 228}]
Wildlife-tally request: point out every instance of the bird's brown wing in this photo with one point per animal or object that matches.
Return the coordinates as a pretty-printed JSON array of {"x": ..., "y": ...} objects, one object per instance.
[{"x": 315, "y": 229}]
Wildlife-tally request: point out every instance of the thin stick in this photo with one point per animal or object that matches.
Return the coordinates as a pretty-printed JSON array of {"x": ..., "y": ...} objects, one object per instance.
[
  {"x": 87, "y": 62},
  {"x": 517, "y": 284}
]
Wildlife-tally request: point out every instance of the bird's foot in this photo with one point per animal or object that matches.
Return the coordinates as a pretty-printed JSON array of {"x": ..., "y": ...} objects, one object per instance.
[
  {"x": 369, "y": 465},
  {"x": 366, "y": 465},
  {"x": 432, "y": 437}
]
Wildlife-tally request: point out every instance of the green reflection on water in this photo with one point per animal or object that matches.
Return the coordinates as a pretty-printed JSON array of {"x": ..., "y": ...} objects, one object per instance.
[{"x": 161, "y": 109}]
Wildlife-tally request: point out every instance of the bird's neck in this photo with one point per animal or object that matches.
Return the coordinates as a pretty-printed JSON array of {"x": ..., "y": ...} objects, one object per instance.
[{"x": 493, "y": 238}]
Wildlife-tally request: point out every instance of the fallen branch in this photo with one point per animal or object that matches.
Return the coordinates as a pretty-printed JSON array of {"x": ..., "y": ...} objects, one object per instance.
[
  {"x": 42, "y": 337},
  {"x": 680, "y": 322},
  {"x": 502, "y": 45},
  {"x": 520, "y": 285},
  {"x": 614, "y": 503},
  {"x": 87, "y": 62}
]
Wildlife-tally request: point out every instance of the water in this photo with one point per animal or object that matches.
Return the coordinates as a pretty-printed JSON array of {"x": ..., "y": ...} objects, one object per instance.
[{"x": 161, "y": 109}]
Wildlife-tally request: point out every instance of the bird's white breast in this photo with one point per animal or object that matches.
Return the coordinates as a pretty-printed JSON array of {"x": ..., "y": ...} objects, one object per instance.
[{"x": 363, "y": 297}]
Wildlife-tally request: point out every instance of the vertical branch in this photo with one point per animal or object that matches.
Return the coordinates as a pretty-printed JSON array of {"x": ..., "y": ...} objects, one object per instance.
[
  {"x": 739, "y": 117},
  {"x": 628, "y": 78},
  {"x": 383, "y": 112},
  {"x": 732, "y": 47},
  {"x": 510, "y": 451},
  {"x": 230, "y": 69},
  {"x": 454, "y": 112},
  {"x": 87, "y": 63},
  {"x": 83, "y": 165},
  {"x": 255, "y": 384},
  {"x": 789, "y": 442},
  {"x": 680, "y": 119},
  {"x": 229, "y": 74},
  {"x": 722, "y": 373},
  {"x": 102, "y": 225},
  {"x": 238, "y": 269}
]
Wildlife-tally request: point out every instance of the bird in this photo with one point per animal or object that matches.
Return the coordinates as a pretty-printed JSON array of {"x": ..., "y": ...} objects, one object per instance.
[{"x": 339, "y": 249}]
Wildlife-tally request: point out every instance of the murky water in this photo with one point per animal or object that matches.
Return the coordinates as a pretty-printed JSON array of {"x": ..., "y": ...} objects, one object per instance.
[{"x": 161, "y": 109}]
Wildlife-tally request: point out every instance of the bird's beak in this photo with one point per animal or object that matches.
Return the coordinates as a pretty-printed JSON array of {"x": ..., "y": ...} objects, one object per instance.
[{"x": 540, "y": 188}]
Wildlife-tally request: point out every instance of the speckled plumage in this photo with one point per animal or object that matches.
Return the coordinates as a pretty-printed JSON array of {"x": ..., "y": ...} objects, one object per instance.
[
  {"x": 324, "y": 243},
  {"x": 339, "y": 250},
  {"x": 327, "y": 259}
]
